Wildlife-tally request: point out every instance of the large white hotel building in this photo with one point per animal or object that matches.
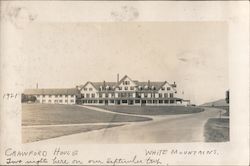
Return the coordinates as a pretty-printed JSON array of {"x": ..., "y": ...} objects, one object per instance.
[{"x": 124, "y": 91}]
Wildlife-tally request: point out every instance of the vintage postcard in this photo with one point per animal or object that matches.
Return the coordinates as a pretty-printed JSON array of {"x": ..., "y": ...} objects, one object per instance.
[{"x": 124, "y": 83}]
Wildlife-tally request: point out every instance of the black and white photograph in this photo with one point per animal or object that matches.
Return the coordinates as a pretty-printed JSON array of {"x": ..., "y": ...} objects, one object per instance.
[
  {"x": 141, "y": 82},
  {"x": 121, "y": 83}
]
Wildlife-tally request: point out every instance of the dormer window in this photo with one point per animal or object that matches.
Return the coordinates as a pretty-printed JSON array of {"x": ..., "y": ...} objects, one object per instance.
[
  {"x": 168, "y": 88},
  {"x": 163, "y": 88},
  {"x": 126, "y": 88},
  {"x": 85, "y": 89},
  {"x": 153, "y": 87},
  {"x": 90, "y": 89},
  {"x": 100, "y": 88}
]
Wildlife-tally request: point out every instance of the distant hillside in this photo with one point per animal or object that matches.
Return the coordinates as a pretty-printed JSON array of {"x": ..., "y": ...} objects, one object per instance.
[{"x": 221, "y": 102}]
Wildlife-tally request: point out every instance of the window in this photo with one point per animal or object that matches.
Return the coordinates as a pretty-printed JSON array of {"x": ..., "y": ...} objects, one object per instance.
[
  {"x": 171, "y": 95},
  {"x": 138, "y": 95},
  {"x": 56, "y": 95},
  {"x": 126, "y": 88},
  {"x": 120, "y": 88},
  {"x": 49, "y": 101},
  {"x": 123, "y": 95},
  {"x": 160, "y": 101},
  {"x": 171, "y": 101},
  {"x": 149, "y": 101},
  {"x": 166, "y": 101},
  {"x": 60, "y": 101},
  {"x": 163, "y": 88},
  {"x": 43, "y": 95},
  {"x": 112, "y": 101},
  {"x": 43, "y": 101},
  {"x": 165, "y": 95},
  {"x": 100, "y": 101},
  {"x": 137, "y": 101},
  {"x": 87, "y": 95},
  {"x": 131, "y": 88},
  {"x": 130, "y": 94},
  {"x": 93, "y": 95},
  {"x": 155, "y": 101},
  {"x": 49, "y": 95},
  {"x": 72, "y": 95},
  {"x": 90, "y": 89},
  {"x": 72, "y": 101},
  {"x": 153, "y": 95},
  {"x": 82, "y": 95},
  {"x": 126, "y": 82},
  {"x": 145, "y": 95},
  {"x": 85, "y": 89},
  {"x": 160, "y": 95},
  {"x": 56, "y": 101},
  {"x": 106, "y": 95},
  {"x": 124, "y": 101},
  {"x": 168, "y": 88},
  {"x": 60, "y": 95},
  {"x": 66, "y": 101},
  {"x": 100, "y": 95}
]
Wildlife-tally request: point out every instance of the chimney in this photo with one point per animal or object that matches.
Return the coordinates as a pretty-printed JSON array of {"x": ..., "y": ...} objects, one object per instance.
[
  {"x": 104, "y": 84},
  {"x": 36, "y": 85},
  {"x": 118, "y": 78},
  {"x": 148, "y": 83},
  {"x": 174, "y": 85}
]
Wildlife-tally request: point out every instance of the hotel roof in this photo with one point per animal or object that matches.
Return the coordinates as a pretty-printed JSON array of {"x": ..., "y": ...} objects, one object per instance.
[{"x": 61, "y": 91}]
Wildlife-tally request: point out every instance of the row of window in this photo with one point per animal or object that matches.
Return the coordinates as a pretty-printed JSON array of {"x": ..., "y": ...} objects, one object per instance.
[
  {"x": 57, "y": 101},
  {"x": 138, "y": 95},
  {"x": 55, "y": 95},
  {"x": 126, "y": 88},
  {"x": 90, "y": 89}
]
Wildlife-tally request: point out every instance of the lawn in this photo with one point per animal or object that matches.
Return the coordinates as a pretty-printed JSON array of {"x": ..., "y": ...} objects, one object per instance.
[
  {"x": 49, "y": 114},
  {"x": 33, "y": 134},
  {"x": 222, "y": 107},
  {"x": 217, "y": 130},
  {"x": 153, "y": 110}
]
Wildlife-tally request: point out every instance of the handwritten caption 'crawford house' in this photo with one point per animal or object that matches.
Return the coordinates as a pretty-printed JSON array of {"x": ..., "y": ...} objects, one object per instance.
[{"x": 59, "y": 156}]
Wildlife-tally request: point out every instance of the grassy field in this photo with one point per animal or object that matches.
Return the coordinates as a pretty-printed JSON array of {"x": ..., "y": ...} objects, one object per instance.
[
  {"x": 49, "y": 114},
  {"x": 217, "y": 130},
  {"x": 153, "y": 110},
  {"x": 41, "y": 133},
  {"x": 222, "y": 107}
]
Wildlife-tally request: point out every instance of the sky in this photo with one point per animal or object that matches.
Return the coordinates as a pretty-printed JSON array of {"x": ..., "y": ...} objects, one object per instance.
[{"x": 192, "y": 54}]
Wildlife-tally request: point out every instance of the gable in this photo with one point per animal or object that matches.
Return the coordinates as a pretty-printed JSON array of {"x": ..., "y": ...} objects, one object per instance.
[
  {"x": 166, "y": 88},
  {"x": 88, "y": 87},
  {"x": 126, "y": 81}
]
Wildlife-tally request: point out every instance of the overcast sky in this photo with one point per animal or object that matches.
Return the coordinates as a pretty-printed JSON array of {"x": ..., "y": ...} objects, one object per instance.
[{"x": 193, "y": 54}]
